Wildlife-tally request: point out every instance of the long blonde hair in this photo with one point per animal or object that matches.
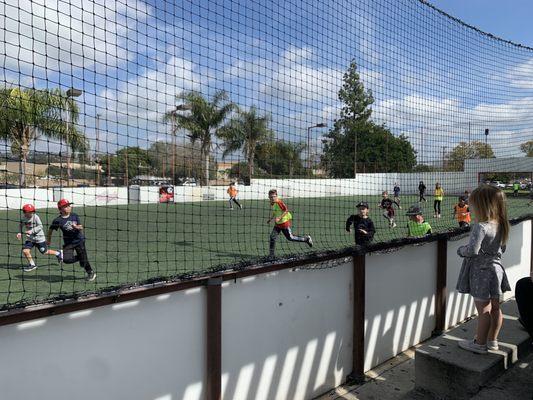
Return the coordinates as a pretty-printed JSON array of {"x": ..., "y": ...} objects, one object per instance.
[{"x": 490, "y": 205}]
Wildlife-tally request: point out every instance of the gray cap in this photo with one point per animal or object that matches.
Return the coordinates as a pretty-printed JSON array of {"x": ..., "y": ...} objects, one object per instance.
[{"x": 414, "y": 210}]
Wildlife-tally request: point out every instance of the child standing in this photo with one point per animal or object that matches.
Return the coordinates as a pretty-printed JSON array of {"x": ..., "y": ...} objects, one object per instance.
[
  {"x": 32, "y": 227},
  {"x": 421, "y": 191},
  {"x": 396, "y": 191},
  {"x": 416, "y": 226},
  {"x": 461, "y": 212},
  {"x": 439, "y": 195},
  {"x": 388, "y": 205},
  {"x": 73, "y": 238},
  {"x": 482, "y": 274},
  {"x": 233, "y": 191},
  {"x": 516, "y": 188},
  {"x": 282, "y": 222},
  {"x": 363, "y": 225}
]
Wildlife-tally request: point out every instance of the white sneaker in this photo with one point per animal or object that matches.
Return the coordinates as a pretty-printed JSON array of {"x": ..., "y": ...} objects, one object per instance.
[
  {"x": 30, "y": 268},
  {"x": 472, "y": 346},
  {"x": 492, "y": 345},
  {"x": 59, "y": 256},
  {"x": 309, "y": 240},
  {"x": 393, "y": 225}
]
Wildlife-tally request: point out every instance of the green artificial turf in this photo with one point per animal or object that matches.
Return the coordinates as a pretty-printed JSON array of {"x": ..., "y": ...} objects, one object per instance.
[{"x": 130, "y": 244}]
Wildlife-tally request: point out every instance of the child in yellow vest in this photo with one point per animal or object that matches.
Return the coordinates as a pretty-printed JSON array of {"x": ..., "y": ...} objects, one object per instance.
[
  {"x": 282, "y": 222},
  {"x": 416, "y": 226},
  {"x": 439, "y": 195}
]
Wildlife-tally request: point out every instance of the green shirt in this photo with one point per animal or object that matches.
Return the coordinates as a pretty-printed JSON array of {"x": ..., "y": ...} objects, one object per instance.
[
  {"x": 516, "y": 186},
  {"x": 416, "y": 229}
]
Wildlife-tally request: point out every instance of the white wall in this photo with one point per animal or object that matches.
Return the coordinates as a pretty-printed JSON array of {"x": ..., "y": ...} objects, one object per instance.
[
  {"x": 147, "y": 349},
  {"x": 14, "y": 199},
  {"x": 287, "y": 335},
  {"x": 93, "y": 196},
  {"x": 400, "y": 301}
]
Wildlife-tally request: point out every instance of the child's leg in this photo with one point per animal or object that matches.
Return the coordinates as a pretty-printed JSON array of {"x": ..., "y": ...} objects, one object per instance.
[
  {"x": 386, "y": 215},
  {"x": 287, "y": 232},
  {"x": 438, "y": 205},
  {"x": 229, "y": 201},
  {"x": 496, "y": 319},
  {"x": 68, "y": 255},
  {"x": 81, "y": 253},
  {"x": 27, "y": 254},
  {"x": 435, "y": 206},
  {"x": 236, "y": 202},
  {"x": 483, "y": 308},
  {"x": 273, "y": 237}
]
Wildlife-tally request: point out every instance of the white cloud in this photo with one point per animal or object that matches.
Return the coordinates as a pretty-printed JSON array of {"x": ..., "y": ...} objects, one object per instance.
[
  {"x": 61, "y": 35},
  {"x": 522, "y": 75}
]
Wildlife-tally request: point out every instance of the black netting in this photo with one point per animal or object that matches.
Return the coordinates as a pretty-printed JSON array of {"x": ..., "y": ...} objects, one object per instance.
[{"x": 143, "y": 114}]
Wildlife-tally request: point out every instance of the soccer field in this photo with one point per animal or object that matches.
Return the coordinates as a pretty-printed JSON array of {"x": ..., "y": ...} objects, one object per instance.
[{"x": 133, "y": 243}]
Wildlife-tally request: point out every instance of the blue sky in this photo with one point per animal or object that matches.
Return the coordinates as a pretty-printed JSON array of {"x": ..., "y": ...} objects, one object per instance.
[{"x": 433, "y": 80}]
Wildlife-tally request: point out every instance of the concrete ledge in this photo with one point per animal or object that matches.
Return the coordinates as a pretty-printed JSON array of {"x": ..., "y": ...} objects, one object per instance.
[{"x": 449, "y": 372}]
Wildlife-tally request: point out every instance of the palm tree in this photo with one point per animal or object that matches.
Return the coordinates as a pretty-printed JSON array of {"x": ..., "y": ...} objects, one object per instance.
[
  {"x": 244, "y": 132},
  {"x": 27, "y": 114},
  {"x": 204, "y": 119}
]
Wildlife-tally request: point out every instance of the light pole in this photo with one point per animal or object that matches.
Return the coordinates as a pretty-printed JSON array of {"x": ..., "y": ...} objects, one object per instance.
[
  {"x": 172, "y": 113},
  {"x": 319, "y": 125},
  {"x": 97, "y": 155},
  {"x": 71, "y": 93},
  {"x": 443, "y": 157},
  {"x": 486, "y": 144}
]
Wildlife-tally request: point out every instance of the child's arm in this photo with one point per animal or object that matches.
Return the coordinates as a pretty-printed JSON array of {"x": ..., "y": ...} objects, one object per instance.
[
  {"x": 371, "y": 229},
  {"x": 474, "y": 245},
  {"x": 349, "y": 223},
  {"x": 49, "y": 235},
  {"x": 78, "y": 224}
]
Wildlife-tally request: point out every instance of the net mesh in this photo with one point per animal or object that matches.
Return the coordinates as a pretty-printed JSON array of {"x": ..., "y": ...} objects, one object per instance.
[{"x": 142, "y": 114}]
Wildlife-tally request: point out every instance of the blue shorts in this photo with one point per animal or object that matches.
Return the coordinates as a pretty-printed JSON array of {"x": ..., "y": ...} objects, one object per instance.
[{"x": 42, "y": 246}]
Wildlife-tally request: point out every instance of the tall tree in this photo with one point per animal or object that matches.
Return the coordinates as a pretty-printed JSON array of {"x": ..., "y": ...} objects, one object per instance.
[
  {"x": 280, "y": 158},
  {"x": 245, "y": 132},
  {"x": 355, "y": 139},
  {"x": 128, "y": 162},
  {"x": 203, "y": 120},
  {"x": 527, "y": 148},
  {"x": 188, "y": 160},
  {"x": 464, "y": 151},
  {"x": 27, "y": 114}
]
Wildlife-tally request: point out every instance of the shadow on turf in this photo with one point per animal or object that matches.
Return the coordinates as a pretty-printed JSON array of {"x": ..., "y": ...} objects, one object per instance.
[{"x": 46, "y": 277}]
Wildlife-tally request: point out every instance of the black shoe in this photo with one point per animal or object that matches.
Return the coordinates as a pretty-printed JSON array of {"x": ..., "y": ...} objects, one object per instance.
[{"x": 91, "y": 276}]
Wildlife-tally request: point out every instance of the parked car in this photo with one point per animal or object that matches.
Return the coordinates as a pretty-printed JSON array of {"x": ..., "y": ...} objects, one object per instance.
[
  {"x": 497, "y": 184},
  {"x": 187, "y": 182}
]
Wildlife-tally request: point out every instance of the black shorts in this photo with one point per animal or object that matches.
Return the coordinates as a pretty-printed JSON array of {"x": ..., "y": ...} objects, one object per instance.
[
  {"x": 41, "y": 246},
  {"x": 463, "y": 224}
]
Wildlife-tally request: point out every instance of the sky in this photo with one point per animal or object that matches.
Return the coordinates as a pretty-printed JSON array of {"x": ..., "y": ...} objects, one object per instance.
[
  {"x": 433, "y": 79},
  {"x": 509, "y": 20}
]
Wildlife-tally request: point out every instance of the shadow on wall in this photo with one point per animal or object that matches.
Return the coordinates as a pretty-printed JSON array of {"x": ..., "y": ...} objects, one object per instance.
[{"x": 298, "y": 373}]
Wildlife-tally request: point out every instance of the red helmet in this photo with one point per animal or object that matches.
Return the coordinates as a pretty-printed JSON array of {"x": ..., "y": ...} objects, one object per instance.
[
  {"x": 27, "y": 208},
  {"x": 63, "y": 203}
]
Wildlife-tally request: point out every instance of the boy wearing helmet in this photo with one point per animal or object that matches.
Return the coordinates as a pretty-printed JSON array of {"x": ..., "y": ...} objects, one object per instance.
[
  {"x": 32, "y": 228},
  {"x": 73, "y": 238}
]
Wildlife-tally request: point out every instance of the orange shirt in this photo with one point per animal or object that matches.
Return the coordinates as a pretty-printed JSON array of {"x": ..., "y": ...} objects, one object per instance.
[
  {"x": 232, "y": 191},
  {"x": 462, "y": 213}
]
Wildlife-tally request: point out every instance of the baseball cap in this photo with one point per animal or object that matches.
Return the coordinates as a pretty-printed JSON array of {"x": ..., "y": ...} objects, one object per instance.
[
  {"x": 363, "y": 204},
  {"x": 63, "y": 203},
  {"x": 28, "y": 208},
  {"x": 414, "y": 210},
  {"x": 463, "y": 198}
]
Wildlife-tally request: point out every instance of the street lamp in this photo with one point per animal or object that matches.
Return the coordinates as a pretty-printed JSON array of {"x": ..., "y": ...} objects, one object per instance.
[
  {"x": 71, "y": 93},
  {"x": 486, "y": 137},
  {"x": 319, "y": 125},
  {"x": 179, "y": 107}
]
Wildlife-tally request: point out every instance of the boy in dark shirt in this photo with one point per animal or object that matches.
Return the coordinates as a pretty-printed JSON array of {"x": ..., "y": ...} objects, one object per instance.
[
  {"x": 363, "y": 225},
  {"x": 388, "y": 205},
  {"x": 421, "y": 191},
  {"x": 73, "y": 238}
]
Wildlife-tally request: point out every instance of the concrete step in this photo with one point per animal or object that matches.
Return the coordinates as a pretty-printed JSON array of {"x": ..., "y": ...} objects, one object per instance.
[{"x": 449, "y": 372}]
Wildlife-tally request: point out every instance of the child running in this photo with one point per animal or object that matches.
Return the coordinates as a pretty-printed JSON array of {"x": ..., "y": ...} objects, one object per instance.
[
  {"x": 233, "y": 191},
  {"x": 482, "y": 274},
  {"x": 282, "y": 222},
  {"x": 421, "y": 192},
  {"x": 388, "y": 205},
  {"x": 439, "y": 195},
  {"x": 32, "y": 228},
  {"x": 363, "y": 225},
  {"x": 396, "y": 191},
  {"x": 73, "y": 238},
  {"x": 416, "y": 226},
  {"x": 461, "y": 212}
]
